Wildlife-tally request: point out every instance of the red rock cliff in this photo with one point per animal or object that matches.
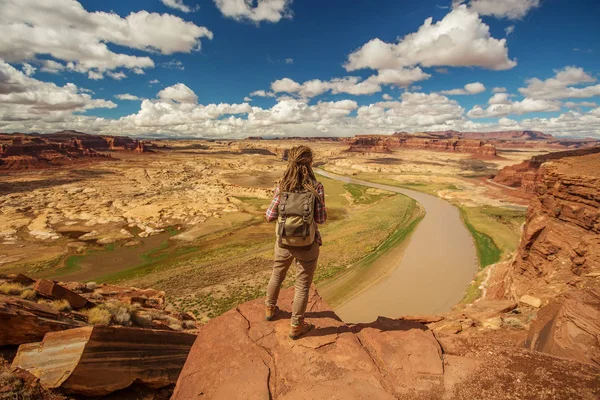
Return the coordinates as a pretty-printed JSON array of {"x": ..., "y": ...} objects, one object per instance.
[{"x": 560, "y": 247}]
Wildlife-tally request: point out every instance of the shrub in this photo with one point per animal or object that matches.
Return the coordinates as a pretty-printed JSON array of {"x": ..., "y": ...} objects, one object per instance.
[
  {"x": 11, "y": 288},
  {"x": 60, "y": 305},
  {"x": 98, "y": 316},
  {"x": 91, "y": 286},
  {"x": 28, "y": 294}
]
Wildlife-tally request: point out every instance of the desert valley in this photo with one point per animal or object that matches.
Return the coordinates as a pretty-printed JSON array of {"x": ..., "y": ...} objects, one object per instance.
[
  {"x": 299, "y": 200},
  {"x": 480, "y": 251}
]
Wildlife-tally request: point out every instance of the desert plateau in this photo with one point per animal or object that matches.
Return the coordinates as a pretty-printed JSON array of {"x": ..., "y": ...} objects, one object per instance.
[{"x": 299, "y": 200}]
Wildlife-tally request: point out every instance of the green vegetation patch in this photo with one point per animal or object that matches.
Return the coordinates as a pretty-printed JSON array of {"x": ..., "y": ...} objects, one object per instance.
[
  {"x": 487, "y": 251},
  {"x": 365, "y": 195}
]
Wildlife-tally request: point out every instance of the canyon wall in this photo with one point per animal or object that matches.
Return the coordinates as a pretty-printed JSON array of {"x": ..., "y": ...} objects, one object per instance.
[
  {"x": 560, "y": 246},
  {"x": 27, "y": 151},
  {"x": 523, "y": 175},
  {"x": 385, "y": 144}
]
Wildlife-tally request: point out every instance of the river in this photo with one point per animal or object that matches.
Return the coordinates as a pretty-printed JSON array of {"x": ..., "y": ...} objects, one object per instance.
[{"x": 433, "y": 272}]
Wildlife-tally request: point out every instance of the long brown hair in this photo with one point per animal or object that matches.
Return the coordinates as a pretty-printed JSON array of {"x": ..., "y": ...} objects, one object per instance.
[{"x": 299, "y": 174}]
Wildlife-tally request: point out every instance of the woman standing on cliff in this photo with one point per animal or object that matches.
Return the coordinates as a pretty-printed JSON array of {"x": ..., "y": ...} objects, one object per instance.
[{"x": 298, "y": 206}]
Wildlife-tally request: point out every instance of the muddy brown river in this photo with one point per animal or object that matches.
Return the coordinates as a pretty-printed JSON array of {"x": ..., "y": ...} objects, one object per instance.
[{"x": 432, "y": 272}]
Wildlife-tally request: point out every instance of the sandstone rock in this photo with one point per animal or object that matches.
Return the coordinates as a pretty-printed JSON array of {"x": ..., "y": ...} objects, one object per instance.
[
  {"x": 95, "y": 361},
  {"x": 53, "y": 290},
  {"x": 23, "y": 321},
  {"x": 262, "y": 362},
  {"x": 569, "y": 327},
  {"x": 561, "y": 242},
  {"x": 530, "y": 301},
  {"x": 23, "y": 280}
]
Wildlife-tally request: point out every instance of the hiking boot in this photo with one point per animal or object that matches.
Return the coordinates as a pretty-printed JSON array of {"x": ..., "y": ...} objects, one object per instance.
[
  {"x": 298, "y": 330},
  {"x": 270, "y": 312}
]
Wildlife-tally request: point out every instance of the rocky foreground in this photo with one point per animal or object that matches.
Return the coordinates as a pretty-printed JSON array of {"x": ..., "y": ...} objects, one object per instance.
[{"x": 240, "y": 356}]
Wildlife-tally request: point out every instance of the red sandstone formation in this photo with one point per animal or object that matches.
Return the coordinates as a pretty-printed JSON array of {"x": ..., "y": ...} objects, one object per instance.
[
  {"x": 385, "y": 144},
  {"x": 240, "y": 356},
  {"x": 26, "y": 151},
  {"x": 95, "y": 361},
  {"x": 23, "y": 321},
  {"x": 523, "y": 175},
  {"x": 560, "y": 247}
]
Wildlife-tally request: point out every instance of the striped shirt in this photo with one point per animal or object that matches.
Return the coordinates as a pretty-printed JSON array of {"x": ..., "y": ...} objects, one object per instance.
[{"x": 320, "y": 209}]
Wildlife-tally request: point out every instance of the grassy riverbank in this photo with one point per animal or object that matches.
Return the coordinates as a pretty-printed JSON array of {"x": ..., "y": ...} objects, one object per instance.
[{"x": 211, "y": 273}]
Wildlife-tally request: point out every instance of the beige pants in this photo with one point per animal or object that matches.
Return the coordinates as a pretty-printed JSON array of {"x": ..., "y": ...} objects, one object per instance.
[{"x": 306, "y": 263}]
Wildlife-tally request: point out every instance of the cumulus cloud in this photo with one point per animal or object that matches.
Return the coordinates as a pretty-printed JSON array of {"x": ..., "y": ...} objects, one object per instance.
[
  {"x": 77, "y": 39},
  {"x": 511, "y": 9},
  {"x": 469, "y": 88},
  {"x": 178, "y": 92},
  {"x": 501, "y": 106},
  {"x": 265, "y": 10},
  {"x": 247, "y": 99},
  {"x": 315, "y": 87},
  {"x": 154, "y": 81},
  {"x": 179, "y": 5},
  {"x": 262, "y": 93},
  {"x": 509, "y": 29},
  {"x": 499, "y": 90},
  {"x": 127, "y": 96},
  {"x": 578, "y": 105},
  {"x": 387, "y": 97},
  {"x": 460, "y": 39},
  {"x": 561, "y": 85},
  {"x": 23, "y": 98},
  {"x": 28, "y": 69}
]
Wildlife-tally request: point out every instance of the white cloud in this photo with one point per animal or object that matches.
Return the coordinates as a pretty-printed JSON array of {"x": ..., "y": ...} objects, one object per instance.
[
  {"x": 179, "y": 5},
  {"x": 561, "y": 85},
  {"x": 247, "y": 99},
  {"x": 28, "y": 69},
  {"x": 499, "y": 98},
  {"x": 501, "y": 106},
  {"x": 178, "y": 92},
  {"x": 469, "y": 88},
  {"x": 511, "y": 9},
  {"x": 315, "y": 87},
  {"x": 499, "y": 90},
  {"x": 509, "y": 29},
  {"x": 23, "y": 98},
  {"x": 173, "y": 64},
  {"x": 289, "y": 60},
  {"x": 154, "y": 81},
  {"x": 116, "y": 75},
  {"x": 387, "y": 97},
  {"x": 400, "y": 77},
  {"x": 265, "y": 10},
  {"x": 459, "y": 39},
  {"x": 578, "y": 105},
  {"x": 64, "y": 30},
  {"x": 262, "y": 93},
  {"x": 127, "y": 96}
]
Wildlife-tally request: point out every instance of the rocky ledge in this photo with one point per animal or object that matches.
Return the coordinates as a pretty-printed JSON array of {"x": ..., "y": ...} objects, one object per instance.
[{"x": 240, "y": 356}]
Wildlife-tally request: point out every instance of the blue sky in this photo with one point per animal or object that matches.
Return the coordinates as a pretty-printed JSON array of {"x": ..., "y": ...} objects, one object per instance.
[{"x": 210, "y": 61}]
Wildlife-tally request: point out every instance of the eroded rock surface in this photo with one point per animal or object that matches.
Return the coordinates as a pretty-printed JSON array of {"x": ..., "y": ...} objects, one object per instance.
[
  {"x": 95, "y": 361},
  {"x": 240, "y": 356},
  {"x": 560, "y": 246}
]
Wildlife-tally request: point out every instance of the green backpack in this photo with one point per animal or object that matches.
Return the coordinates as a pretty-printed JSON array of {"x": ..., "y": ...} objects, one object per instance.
[{"x": 296, "y": 225}]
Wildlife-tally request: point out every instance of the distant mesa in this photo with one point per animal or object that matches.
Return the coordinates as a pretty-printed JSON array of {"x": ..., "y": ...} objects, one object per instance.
[
  {"x": 402, "y": 140},
  {"x": 20, "y": 151}
]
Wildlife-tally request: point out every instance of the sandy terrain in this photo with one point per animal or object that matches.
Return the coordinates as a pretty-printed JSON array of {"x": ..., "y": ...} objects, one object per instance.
[{"x": 187, "y": 218}]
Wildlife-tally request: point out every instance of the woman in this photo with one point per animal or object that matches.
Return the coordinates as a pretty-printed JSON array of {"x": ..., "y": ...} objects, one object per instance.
[{"x": 296, "y": 242}]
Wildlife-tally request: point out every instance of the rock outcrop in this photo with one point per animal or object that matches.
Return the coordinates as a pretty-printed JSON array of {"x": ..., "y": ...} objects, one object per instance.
[
  {"x": 240, "y": 356},
  {"x": 385, "y": 144},
  {"x": 523, "y": 175},
  {"x": 560, "y": 247},
  {"x": 26, "y": 151},
  {"x": 23, "y": 321},
  {"x": 569, "y": 327},
  {"x": 96, "y": 361}
]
